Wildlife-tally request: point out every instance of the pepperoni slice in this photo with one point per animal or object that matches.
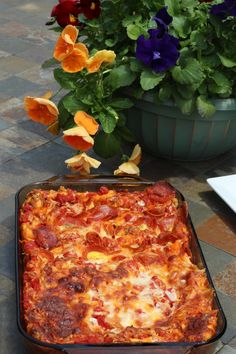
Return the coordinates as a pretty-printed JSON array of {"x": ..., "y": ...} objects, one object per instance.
[
  {"x": 45, "y": 238},
  {"x": 162, "y": 191},
  {"x": 102, "y": 212}
]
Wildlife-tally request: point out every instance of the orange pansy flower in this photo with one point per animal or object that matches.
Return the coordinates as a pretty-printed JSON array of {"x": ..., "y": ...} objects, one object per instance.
[
  {"x": 102, "y": 56},
  {"x": 77, "y": 59},
  {"x": 66, "y": 42},
  {"x": 131, "y": 167},
  {"x": 82, "y": 163},
  {"x": 88, "y": 122},
  {"x": 78, "y": 138},
  {"x": 41, "y": 110}
]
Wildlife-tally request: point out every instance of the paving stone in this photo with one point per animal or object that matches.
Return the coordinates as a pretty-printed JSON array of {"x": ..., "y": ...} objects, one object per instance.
[
  {"x": 7, "y": 285},
  {"x": 14, "y": 28},
  {"x": 4, "y": 54},
  {"x": 5, "y": 235},
  {"x": 232, "y": 343},
  {"x": 37, "y": 128},
  {"x": 216, "y": 259},
  {"x": 163, "y": 169},
  {"x": 38, "y": 164},
  {"x": 4, "y": 125},
  {"x": 227, "y": 350},
  {"x": 219, "y": 231},
  {"x": 7, "y": 206},
  {"x": 229, "y": 307},
  {"x": 7, "y": 260},
  {"x": 11, "y": 341},
  {"x": 226, "y": 280},
  {"x": 204, "y": 166},
  {"x": 198, "y": 212},
  {"x": 36, "y": 54},
  {"x": 16, "y": 140},
  {"x": 2, "y": 297},
  {"x": 4, "y": 75},
  {"x": 13, "y": 45},
  {"x": 213, "y": 201},
  {"x": 10, "y": 104},
  {"x": 14, "y": 64},
  {"x": 39, "y": 76},
  {"x": 15, "y": 86}
]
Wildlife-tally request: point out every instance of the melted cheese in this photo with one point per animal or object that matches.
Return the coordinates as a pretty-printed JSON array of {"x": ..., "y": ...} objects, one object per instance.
[{"x": 117, "y": 285}]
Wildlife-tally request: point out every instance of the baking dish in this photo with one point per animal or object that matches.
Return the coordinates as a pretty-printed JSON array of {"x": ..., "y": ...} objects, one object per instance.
[{"x": 92, "y": 183}]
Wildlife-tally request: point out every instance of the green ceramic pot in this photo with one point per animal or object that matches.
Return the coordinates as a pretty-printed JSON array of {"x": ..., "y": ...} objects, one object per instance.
[{"x": 163, "y": 131}]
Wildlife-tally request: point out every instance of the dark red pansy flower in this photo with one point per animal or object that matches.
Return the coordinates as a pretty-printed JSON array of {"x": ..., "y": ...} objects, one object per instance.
[
  {"x": 66, "y": 12},
  {"x": 90, "y": 8}
]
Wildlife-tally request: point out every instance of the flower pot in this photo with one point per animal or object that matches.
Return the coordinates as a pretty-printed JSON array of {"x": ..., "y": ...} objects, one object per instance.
[{"x": 163, "y": 131}]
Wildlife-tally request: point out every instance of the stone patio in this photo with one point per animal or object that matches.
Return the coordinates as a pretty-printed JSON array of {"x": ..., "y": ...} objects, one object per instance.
[{"x": 28, "y": 153}]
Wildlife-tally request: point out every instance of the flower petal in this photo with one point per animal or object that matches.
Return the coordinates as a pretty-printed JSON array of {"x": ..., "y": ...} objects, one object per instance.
[
  {"x": 54, "y": 128},
  {"x": 127, "y": 168},
  {"x": 94, "y": 63},
  {"x": 41, "y": 110},
  {"x": 88, "y": 122},
  {"x": 47, "y": 95},
  {"x": 82, "y": 163},
  {"x": 75, "y": 62},
  {"x": 65, "y": 43},
  {"x": 78, "y": 138},
  {"x": 136, "y": 155}
]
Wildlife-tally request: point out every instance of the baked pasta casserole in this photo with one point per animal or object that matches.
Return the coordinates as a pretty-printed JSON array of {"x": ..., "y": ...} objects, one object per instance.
[{"x": 112, "y": 266}]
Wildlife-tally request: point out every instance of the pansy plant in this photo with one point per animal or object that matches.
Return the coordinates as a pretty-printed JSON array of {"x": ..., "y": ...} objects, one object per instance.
[{"x": 182, "y": 51}]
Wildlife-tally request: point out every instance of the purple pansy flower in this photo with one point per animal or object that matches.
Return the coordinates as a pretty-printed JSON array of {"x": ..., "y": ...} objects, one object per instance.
[
  {"x": 225, "y": 9},
  {"x": 163, "y": 19},
  {"x": 158, "y": 53}
]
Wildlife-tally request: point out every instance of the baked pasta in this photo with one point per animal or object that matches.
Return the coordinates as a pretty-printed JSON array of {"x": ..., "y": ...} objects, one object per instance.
[{"x": 112, "y": 266}]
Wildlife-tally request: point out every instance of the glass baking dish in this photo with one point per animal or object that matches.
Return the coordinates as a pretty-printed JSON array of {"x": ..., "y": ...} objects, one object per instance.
[{"x": 93, "y": 183}]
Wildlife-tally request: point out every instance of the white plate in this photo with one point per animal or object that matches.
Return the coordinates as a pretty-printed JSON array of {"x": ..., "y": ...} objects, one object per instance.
[{"x": 225, "y": 186}]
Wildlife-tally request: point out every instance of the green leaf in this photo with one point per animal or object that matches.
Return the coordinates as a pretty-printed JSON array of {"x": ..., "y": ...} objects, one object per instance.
[
  {"x": 205, "y": 107},
  {"x": 149, "y": 79},
  {"x": 106, "y": 145},
  {"x": 85, "y": 94},
  {"x": 111, "y": 42},
  {"x": 120, "y": 77},
  {"x": 134, "y": 31},
  {"x": 182, "y": 26},
  {"x": 189, "y": 74},
  {"x": 185, "y": 105},
  {"x": 220, "y": 84},
  {"x": 49, "y": 62},
  {"x": 72, "y": 104},
  {"x": 165, "y": 92},
  {"x": 121, "y": 103},
  {"x": 173, "y": 6},
  {"x": 135, "y": 65},
  {"x": 228, "y": 63},
  {"x": 124, "y": 133},
  {"x": 65, "y": 80},
  {"x": 211, "y": 60},
  {"x": 64, "y": 117},
  {"x": 107, "y": 121},
  {"x": 130, "y": 19},
  {"x": 122, "y": 120},
  {"x": 198, "y": 40}
]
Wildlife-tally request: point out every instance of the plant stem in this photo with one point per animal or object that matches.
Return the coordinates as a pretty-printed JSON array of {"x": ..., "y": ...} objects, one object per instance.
[{"x": 58, "y": 91}]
